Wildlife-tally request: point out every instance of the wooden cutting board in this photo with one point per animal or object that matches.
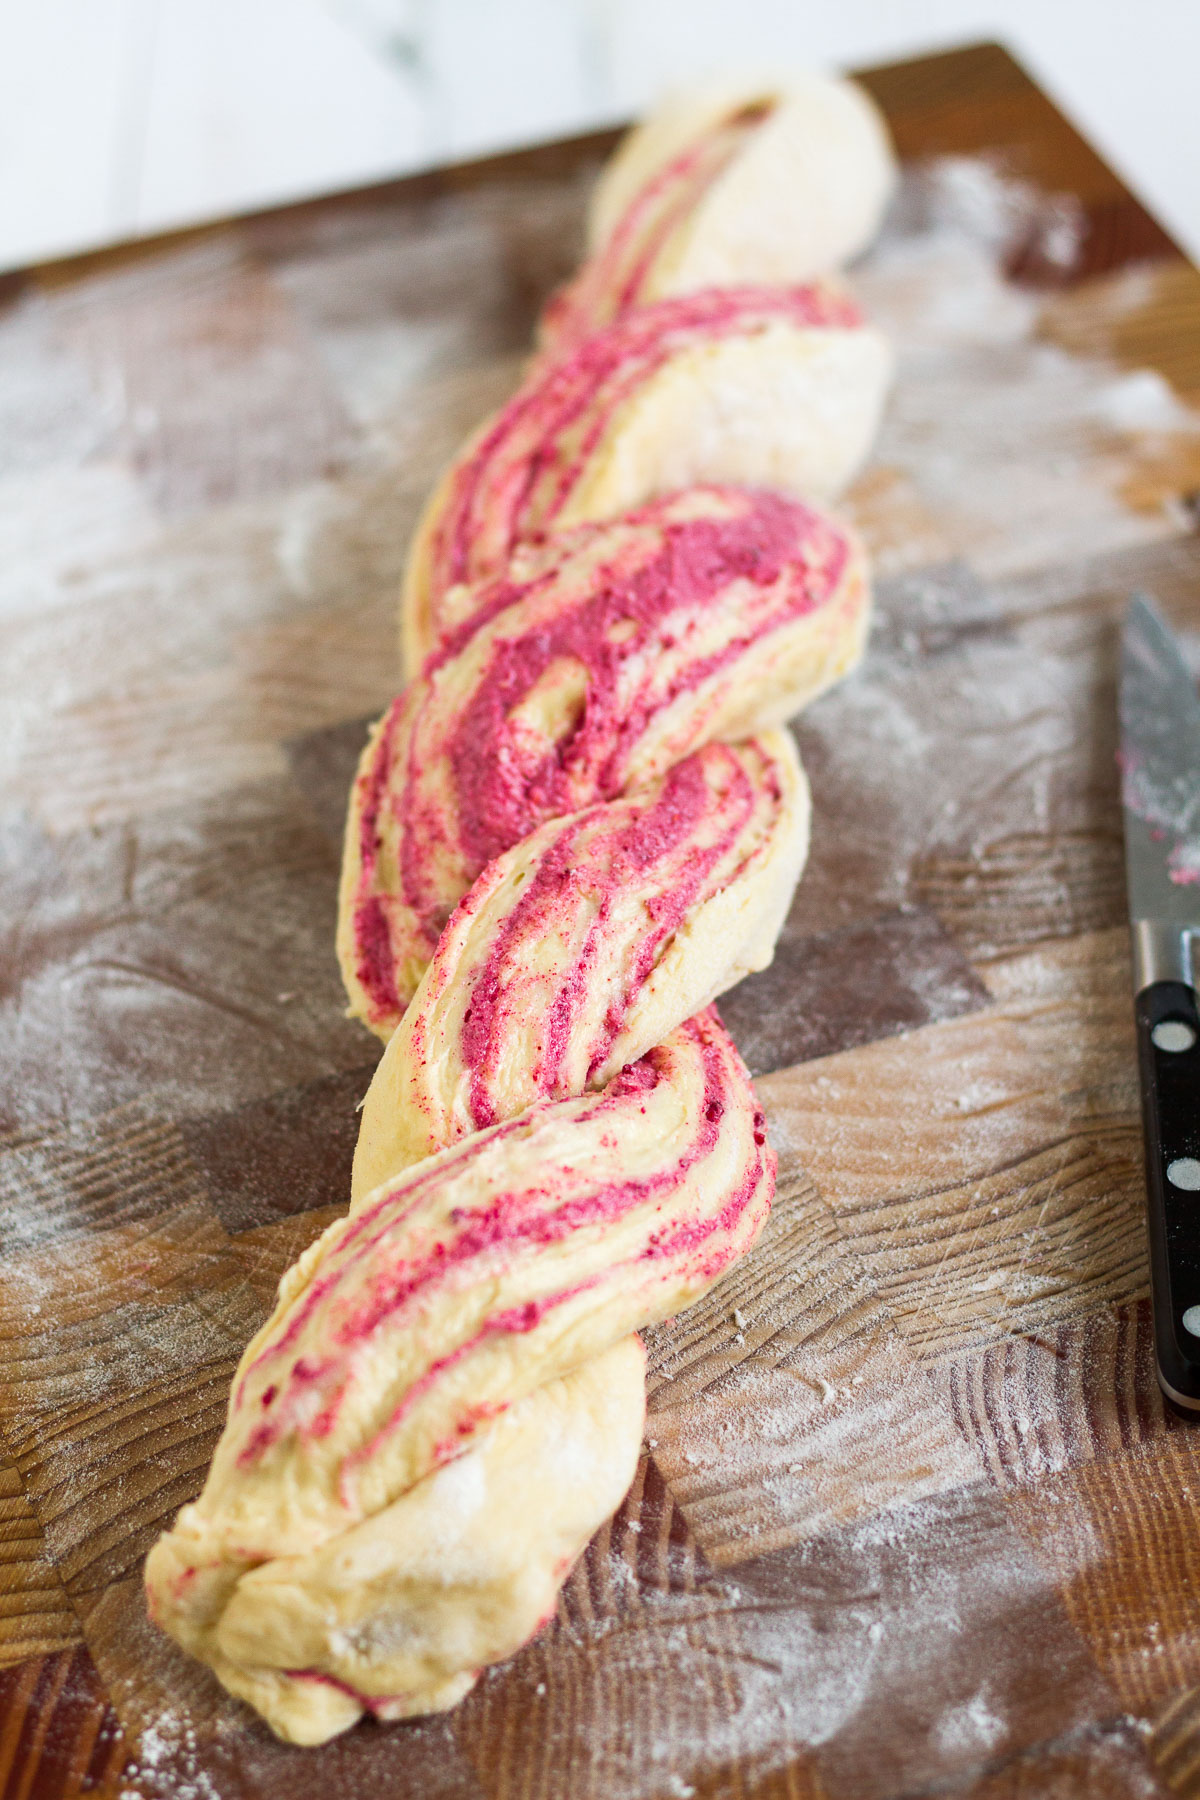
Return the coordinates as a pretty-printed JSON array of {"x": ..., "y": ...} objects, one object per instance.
[{"x": 911, "y": 1518}]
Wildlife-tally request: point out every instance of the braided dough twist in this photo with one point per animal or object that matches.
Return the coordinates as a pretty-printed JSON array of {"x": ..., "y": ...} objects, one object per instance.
[
  {"x": 599, "y": 657},
  {"x": 778, "y": 388},
  {"x": 496, "y": 1283},
  {"x": 576, "y": 828}
]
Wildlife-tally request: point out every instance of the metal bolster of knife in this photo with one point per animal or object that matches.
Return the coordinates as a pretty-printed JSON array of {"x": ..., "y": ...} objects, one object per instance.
[{"x": 1161, "y": 952}]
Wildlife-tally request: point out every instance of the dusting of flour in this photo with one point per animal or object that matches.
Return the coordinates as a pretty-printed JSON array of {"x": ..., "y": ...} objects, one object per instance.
[{"x": 1017, "y": 447}]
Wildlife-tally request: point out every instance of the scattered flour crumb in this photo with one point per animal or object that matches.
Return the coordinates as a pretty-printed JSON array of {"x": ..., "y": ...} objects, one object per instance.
[
  {"x": 973, "y": 1726},
  {"x": 989, "y": 1284},
  {"x": 825, "y": 1388},
  {"x": 170, "y": 1745}
]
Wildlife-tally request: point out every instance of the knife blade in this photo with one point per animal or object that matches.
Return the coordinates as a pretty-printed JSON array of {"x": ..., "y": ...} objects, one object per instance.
[{"x": 1160, "y": 792}]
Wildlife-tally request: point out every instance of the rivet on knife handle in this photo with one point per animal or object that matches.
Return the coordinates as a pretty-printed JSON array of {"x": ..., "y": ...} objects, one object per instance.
[{"x": 1168, "y": 1028}]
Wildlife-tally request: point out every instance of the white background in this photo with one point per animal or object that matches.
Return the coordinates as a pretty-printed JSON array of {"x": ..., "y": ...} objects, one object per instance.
[{"x": 120, "y": 117}]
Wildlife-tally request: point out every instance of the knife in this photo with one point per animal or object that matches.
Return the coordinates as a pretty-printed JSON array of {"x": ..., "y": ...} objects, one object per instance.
[{"x": 1160, "y": 791}]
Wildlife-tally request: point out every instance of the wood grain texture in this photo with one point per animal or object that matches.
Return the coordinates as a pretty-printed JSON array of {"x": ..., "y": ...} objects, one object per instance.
[
  {"x": 786, "y": 1403},
  {"x": 643, "y": 1611},
  {"x": 892, "y": 1712},
  {"x": 987, "y": 1169},
  {"x": 1145, "y": 316},
  {"x": 1077, "y": 1392},
  {"x": 59, "y": 1737},
  {"x": 36, "y": 1617},
  {"x": 1174, "y": 1743},
  {"x": 1119, "y": 1538},
  {"x": 912, "y": 1519}
]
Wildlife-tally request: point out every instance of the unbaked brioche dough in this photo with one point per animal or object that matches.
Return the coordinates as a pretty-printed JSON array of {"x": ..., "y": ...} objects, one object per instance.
[
  {"x": 584, "y": 945},
  {"x": 395, "y": 1615},
  {"x": 598, "y": 660},
  {"x": 756, "y": 387},
  {"x": 579, "y": 825},
  {"x": 315, "y": 1573},
  {"x": 768, "y": 182},
  {"x": 451, "y": 1297}
]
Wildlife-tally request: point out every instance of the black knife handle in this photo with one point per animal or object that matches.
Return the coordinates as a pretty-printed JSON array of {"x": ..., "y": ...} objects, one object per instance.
[{"x": 1168, "y": 1032}]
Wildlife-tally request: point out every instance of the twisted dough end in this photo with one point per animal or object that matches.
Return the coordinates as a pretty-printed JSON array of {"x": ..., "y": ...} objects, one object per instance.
[
  {"x": 825, "y": 138},
  {"x": 481, "y": 1302},
  {"x": 397, "y": 1615},
  {"x": 767, "y": 182}
]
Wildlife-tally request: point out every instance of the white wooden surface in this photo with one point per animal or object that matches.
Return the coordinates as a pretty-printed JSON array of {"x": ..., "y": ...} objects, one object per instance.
[{"x": 120, "y": 117}]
